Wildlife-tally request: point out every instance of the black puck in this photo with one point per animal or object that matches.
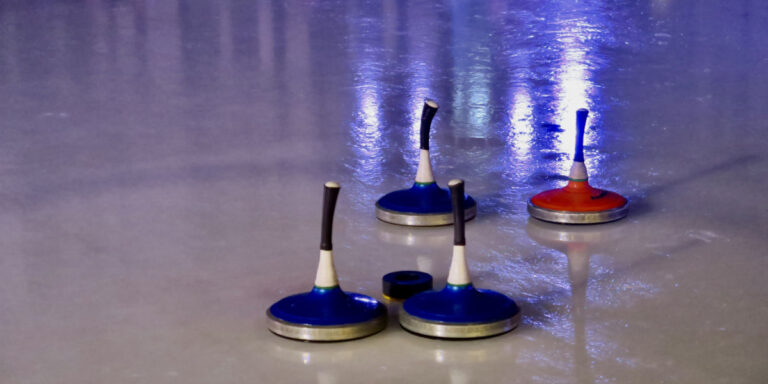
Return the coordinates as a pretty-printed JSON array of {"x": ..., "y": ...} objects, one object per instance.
[{"x": 404, "y": 284}]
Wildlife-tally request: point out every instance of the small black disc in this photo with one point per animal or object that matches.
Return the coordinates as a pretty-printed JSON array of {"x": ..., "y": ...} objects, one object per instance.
[{"x": 404, "y": 284}]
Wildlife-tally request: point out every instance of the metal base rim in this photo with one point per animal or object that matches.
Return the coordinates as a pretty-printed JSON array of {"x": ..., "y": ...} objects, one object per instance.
[
  {"x": 421, "y": 220},
  {"x": 440, "y": 330},
  {"x": 306, "y": 332},
  {"x": 571, "y": 217}
]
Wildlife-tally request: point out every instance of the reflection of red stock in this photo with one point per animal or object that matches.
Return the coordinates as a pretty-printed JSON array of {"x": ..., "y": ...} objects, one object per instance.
[
  {"x": 578, "y": 263},
  {"x": 578, "y": 273}
]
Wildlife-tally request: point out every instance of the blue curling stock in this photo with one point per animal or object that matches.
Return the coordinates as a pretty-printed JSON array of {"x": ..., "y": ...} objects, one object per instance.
[
  {"x": 421, "y": 198},
  {"x": 461, "y": 304},
  {"x": 327, "y": 306}
]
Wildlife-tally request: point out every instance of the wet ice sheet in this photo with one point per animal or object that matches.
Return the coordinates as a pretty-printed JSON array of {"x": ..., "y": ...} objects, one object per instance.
[{"x": 162, "y": 168}]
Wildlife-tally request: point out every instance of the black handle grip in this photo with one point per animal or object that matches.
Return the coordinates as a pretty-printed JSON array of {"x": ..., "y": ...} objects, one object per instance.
[
  {"x": 329, "y": 206},
  {"x": 457, "y": 198},
  {"x": 427, "y": 114}
]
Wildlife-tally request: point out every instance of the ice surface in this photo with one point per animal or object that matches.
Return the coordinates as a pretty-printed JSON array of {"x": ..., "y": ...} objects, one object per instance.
[{"x": 162, "y": 167}]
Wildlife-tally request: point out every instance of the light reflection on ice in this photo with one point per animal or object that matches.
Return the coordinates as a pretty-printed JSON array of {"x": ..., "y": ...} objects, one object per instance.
[
  {"x": 367, "y": 135},
  {"x": 575, "y": 86}
]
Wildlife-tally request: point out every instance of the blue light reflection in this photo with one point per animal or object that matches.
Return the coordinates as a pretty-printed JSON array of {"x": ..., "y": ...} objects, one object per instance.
[
  {"x": 366, "y": 133},
  {"x": 471, "y": 72},
  {"x": 366, "y": 127},
  {"x": 521, "y": 120},
  {"x": 578, "y": 39}
]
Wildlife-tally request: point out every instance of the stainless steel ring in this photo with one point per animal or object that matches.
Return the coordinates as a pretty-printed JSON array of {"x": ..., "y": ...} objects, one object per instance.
[
  {"x": 308, "y": 332},
  {"x": 457, "y": 331},
  {"x": 421, "y": 220},
  {"x": 571, "y": 217}
]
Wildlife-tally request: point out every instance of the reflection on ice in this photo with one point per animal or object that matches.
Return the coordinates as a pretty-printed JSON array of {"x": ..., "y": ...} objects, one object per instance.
[
  {"x": 521, "y": 118},
  {"x": 578, "y": 37},
  {"x": 366, "y": 129},
  {"x": 591, "y": 289}
]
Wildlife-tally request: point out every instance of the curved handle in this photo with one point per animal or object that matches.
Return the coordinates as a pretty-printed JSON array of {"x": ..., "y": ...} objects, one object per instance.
[
  {"x": 427, "y": 114},
  {"x": 581, "y": 124},
  {"x": 329, "y": 206},
  {"x": 457, "y": 198}
]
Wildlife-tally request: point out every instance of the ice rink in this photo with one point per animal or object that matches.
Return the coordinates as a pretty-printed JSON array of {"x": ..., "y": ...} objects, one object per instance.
[{"x": 162, "y": 167}]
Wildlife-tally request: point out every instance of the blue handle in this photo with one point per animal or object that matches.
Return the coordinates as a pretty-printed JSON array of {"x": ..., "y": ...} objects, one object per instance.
[{"x": 581, "y": 123}]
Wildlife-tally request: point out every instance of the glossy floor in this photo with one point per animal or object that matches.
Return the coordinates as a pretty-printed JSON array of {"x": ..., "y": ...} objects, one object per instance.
[{"x": 162, "y": 167}]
